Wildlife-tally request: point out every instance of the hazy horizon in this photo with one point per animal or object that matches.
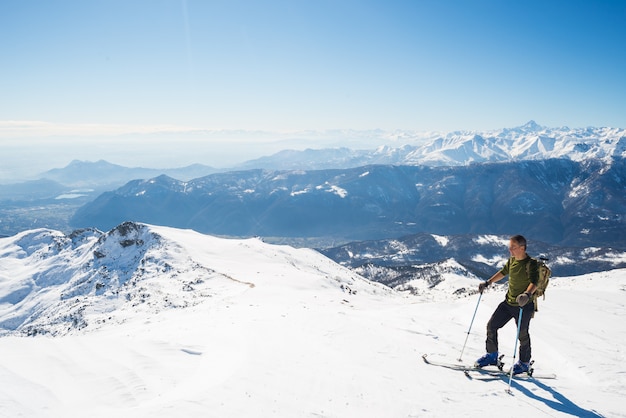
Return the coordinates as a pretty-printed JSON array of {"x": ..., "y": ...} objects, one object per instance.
[{"x": 25, "y": 158}]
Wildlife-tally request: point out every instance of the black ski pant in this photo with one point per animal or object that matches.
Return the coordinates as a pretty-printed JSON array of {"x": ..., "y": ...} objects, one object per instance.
[{"x": 501, "y": 316}]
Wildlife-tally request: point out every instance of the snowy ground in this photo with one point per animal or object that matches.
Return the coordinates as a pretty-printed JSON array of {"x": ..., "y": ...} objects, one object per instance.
[{"x": 289, "y": 333}]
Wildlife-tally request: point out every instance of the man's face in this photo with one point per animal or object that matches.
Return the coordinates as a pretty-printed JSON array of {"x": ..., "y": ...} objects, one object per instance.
[{"x": 516, "y": 250}]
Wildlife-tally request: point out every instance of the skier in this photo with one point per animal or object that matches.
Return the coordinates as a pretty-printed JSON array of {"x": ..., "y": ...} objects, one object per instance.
[{"x": 523, "y": 277}]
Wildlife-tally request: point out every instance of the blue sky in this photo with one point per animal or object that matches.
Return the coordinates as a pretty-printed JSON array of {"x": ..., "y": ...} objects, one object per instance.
[{"x": 114, "y": 67}]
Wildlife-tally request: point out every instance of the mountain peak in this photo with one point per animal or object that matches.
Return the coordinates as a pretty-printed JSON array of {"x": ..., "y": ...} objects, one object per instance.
[{"x": 531, "y": 125}]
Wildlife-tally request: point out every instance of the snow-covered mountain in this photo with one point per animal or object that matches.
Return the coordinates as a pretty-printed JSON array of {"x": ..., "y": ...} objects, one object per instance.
[
  {"x": 556, "y": 201},
  {"x": 146, "y": 321},
  {"x": 527, "y": 142},
  {"x": 54, "y": 283}
]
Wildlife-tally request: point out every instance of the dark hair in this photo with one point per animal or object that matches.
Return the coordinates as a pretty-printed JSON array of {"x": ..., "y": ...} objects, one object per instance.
[{"x": 519, "y": 240}]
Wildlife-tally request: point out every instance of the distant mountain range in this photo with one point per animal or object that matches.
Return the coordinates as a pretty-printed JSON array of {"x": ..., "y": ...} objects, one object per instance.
[
  {"x": 101, "y": 173},
  {"x": 50, "y": 201},
  {"x": 560, "y": 185},
  {"x": 557, "y": 201},
  {"x": 527, "y": 142}
]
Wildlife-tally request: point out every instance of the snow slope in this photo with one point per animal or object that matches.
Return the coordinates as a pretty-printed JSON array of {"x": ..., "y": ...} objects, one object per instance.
[{"x": 254, "y": 329}]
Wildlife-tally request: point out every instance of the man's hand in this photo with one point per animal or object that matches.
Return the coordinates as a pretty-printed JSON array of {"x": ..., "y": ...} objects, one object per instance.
[
  {"x": 483, "y": 286},
  {"x": 523, "y": 299}
]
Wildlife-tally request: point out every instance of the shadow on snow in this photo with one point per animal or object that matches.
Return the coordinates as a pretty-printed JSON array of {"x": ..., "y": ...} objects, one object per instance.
[{"x": 559, "y": 402}]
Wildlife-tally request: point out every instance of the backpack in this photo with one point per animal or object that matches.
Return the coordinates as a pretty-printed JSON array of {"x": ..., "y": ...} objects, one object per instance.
[{"x": 544, "y": 278}]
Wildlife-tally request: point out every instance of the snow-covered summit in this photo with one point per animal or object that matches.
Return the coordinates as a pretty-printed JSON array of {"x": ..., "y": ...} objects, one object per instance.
[
  {"x": 53, "y": 283},
  {"x": 529, "y": 141}
]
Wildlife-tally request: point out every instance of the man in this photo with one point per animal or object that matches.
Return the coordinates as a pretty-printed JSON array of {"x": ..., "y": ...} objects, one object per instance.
[{"x": 523, "y": 276}]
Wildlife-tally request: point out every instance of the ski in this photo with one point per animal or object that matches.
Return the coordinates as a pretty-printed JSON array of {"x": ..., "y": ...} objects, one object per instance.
[
  {"x": 506, "y": 374},
  {"x": 495, "y": 372}
]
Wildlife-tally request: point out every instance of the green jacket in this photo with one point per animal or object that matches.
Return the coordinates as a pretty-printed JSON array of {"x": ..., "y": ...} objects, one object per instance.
[{"x": 521, "y": 273}]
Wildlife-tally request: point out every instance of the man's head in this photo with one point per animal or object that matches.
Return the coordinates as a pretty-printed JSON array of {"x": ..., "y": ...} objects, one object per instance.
[{"x": 517, "y": 246}]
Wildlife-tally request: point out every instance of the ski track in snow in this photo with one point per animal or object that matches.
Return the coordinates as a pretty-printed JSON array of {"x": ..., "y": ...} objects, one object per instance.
[{"x": 295, "y": 335}]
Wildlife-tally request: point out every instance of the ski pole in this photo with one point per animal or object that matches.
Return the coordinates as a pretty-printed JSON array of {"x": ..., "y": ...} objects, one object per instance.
[
  {"x": 519, "y": 325},
  {"x": 470, "y": 327}
]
